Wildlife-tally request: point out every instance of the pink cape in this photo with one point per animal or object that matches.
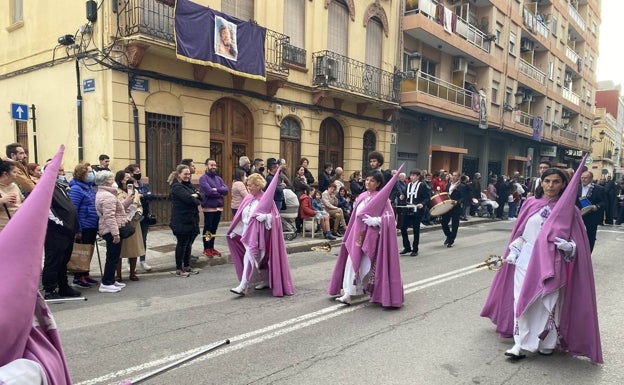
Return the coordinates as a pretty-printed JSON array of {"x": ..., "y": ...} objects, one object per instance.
[
  {"x": 27, "y": 329},
  {"x": 380, "y": 244},
  {"x": 548, "y": 272},
  {"x": 258, "y": 238}
]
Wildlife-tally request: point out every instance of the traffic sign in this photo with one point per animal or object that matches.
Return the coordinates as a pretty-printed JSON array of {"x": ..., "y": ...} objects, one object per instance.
[
  {"x": 19, "y": 111},
  {"x": 589, "y": 160}
]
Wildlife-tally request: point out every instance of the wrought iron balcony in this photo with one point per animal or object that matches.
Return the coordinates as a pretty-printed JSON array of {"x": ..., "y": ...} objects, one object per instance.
[
  {"x": 154, "y": 19},
  {"x": 332, "y": 69}
]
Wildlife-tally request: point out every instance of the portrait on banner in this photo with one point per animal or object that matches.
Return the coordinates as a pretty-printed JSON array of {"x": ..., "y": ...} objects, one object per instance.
[{"x": 225, "y": 39}]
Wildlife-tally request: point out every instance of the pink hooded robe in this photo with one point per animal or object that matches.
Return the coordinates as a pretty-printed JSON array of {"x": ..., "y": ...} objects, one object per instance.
[
  {"x": 548, "y": 272},
  {"x": 378, "y": 243},
  {"x": 27, "y": 329},
  {"x": 258, "y": 238}
]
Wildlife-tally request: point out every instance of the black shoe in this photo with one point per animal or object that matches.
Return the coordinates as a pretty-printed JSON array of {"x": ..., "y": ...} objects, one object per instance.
[
  {"x": 414, "y": 254},
  {"x": 330, "y": 237},
  {"x": 52, "y": 295},
  {"x": 405, "y": 251},
  {"x": 446, "y": 241},
  {"x": 69, "y": 292},
  {"x": 449, "y": 244}
]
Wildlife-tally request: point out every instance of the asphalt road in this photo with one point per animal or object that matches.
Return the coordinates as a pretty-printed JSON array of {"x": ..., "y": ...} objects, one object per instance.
[{"x": 436, "y": 338}]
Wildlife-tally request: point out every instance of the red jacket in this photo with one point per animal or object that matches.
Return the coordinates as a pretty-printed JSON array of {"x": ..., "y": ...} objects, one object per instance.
[{"x": 305, "y": 206}]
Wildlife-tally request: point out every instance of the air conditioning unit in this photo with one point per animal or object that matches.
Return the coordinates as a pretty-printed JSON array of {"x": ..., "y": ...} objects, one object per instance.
[
  {"x": 460, "y": 64},
  {"x": 325, "y": 70},
  {"x": 526, "y": 45}
]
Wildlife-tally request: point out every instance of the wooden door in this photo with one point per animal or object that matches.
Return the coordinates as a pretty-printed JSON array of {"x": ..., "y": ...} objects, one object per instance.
[
  {"x": 231, "y": 136},
  {"x": 290, "y": 145},
  {"x": 331, "y": 144}
]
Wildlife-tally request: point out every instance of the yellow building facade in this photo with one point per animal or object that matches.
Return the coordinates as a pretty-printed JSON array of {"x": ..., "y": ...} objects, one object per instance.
[{"x": 113, "y": 85}]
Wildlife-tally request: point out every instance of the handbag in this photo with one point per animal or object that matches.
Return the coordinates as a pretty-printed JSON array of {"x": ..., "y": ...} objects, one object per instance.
[
  {"x": 80, "y": 260},
  {"x": 126, "y": 230},
  {"x": 151, "y": 219}
]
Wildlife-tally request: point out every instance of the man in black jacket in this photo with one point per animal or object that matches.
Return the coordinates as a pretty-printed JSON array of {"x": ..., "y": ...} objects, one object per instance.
[
  {"x": 417, "y": 195},
  {"x": 475, "y": 187},
  {"x": 59, "y": 244},
  {"x": 597, "y": 198},
  {"x": 453, "y": 215}
]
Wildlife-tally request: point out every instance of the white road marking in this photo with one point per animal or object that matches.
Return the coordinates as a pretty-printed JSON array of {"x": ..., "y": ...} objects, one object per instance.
[{"x": 260, "y": 335}]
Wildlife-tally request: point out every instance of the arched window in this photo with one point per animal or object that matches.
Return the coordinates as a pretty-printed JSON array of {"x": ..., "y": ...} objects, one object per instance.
[{"x": 374, "y": 41}]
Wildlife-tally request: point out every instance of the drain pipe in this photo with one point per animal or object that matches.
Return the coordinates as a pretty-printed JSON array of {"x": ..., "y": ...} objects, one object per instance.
[
  {"x": 79, "y": 111},
  {"x": 135, "y": 120}
]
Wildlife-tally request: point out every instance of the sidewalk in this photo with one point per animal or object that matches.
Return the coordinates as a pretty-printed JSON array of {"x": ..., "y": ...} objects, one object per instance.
[{"x": 161, "y": 246}]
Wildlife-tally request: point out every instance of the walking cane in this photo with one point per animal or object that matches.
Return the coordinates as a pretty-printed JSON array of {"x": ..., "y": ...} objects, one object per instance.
[
  {"x": 172, "y": 365},
  {"x": 99, "y": 260}
]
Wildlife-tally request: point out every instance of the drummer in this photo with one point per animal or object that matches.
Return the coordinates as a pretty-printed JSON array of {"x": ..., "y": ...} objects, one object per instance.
[
  {"x": 452, "y": 188},
  {"x": 597, "y": 196},
  {"x": 417, "y": 199}
]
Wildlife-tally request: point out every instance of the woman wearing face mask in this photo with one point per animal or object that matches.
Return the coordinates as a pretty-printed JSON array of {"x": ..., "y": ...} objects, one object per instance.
[
  {"x": 82, "y": 194},
  {"x": 10, "y": 195}
]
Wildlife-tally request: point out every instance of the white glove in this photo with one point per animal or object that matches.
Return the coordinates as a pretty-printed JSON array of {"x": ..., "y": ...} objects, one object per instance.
[
  {"x": 568, "y": 248},
  {"x": 512, "y": 257},
  {"x": 266, "y": 218},
  {"x": 372, "y": 221}
]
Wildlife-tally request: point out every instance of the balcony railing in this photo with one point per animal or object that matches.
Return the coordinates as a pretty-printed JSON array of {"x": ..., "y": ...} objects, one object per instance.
[
  {"x": 534, "y": 24},
  {"x": 571, "y": 96},
  {"x": 565, "y": 133},
  {"x": 572, "y": 55},
  {"x": 332, "y": 69},
  {"x": 472, "y": 34},
  {"x": 440, "y": 89},
  {"x": 524, "y": 118},
  {"x": 156, "y": 20},
  {"x": 576, "y": 17},
  {"x": 532, "y": 72},
  {"x": 463, "y": 28}
]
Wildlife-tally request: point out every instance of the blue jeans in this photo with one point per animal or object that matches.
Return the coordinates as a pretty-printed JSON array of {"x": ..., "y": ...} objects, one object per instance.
[{"x": 113, "y": 251}]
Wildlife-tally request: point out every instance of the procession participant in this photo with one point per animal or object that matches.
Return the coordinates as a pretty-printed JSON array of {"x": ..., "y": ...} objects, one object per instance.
[
  {"x": 31, "y": 347},
  {"x": 597, "y": 197},
  {"x": 368, "y": 261},
  {"x": 452, "y": 188},
  {"x": 256, "y": 243},
  {"x": 544, "y": 295},
  {"x": 417, "y": 195}
]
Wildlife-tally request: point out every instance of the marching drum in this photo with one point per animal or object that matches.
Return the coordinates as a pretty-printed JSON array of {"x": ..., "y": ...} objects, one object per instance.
[
  {"x": 586, "y": 206},
  {"x": 440, "y": 204}
]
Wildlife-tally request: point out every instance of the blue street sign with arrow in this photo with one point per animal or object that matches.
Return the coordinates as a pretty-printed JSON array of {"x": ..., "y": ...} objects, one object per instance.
[{"x": 19, "y": 111}]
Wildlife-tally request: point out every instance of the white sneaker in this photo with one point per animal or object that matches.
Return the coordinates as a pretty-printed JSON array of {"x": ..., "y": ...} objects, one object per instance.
[
  {"x": 346, "y": 299},
  {"x": 262, "y": 285},
  {"x": 515, "y": 352},
  {"x": 144, "y": 266},
  {"x": 240, "y": 289},
  {"x": 109, "y": 289},
  {"x": 120, "y": 285}
]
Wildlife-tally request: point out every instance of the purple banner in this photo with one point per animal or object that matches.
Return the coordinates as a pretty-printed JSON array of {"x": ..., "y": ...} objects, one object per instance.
[
  {"x": 537, "y": 129},
  {"x": 208, "y": 37}
]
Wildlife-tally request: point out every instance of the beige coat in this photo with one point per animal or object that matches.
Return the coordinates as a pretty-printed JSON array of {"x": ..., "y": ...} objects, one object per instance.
[{"x": 132, "y": 247}]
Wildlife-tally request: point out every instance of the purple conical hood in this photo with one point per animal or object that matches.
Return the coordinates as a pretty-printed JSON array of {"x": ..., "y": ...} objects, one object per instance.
[
  {"x": 21, "y": 249},
  {"x": 376, "y": 205},
  {"x": 266, "y": 201}
]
